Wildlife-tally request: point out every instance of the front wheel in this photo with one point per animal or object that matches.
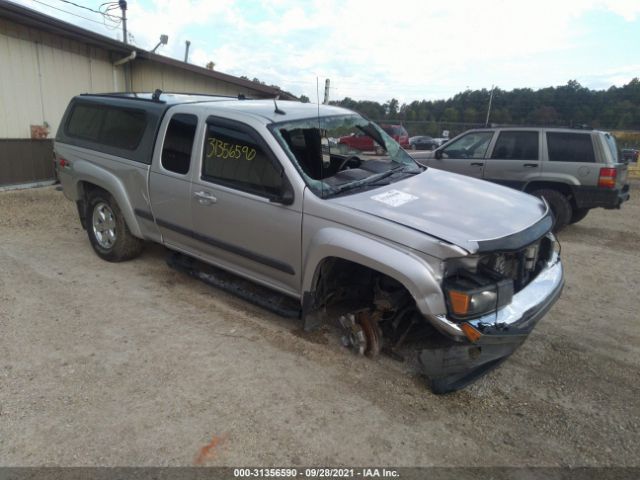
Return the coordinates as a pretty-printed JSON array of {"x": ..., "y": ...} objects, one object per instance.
[
  {"x": 108, "y": 232},
  {"x": 559, "y": 205}
]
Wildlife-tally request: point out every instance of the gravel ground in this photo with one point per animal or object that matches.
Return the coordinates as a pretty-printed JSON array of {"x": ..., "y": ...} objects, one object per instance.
[{"x": 136, "y": 364}]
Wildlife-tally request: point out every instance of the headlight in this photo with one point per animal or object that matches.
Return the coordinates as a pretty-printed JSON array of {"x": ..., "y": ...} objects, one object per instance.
[{"x": 472, "y": 295}]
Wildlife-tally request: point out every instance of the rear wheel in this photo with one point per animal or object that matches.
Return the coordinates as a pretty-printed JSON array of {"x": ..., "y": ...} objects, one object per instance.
[
  {"x": 108, "y": 232},
  {"x": 578, "y": 214},
  {"x": 559, "y": 205}
]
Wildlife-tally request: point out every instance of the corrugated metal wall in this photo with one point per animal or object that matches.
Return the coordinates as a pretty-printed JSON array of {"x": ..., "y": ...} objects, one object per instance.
[
  {"x": 25, "y": 161},
  {"x": 147, "y": 76},
  {"x": 39, "y": 73}
]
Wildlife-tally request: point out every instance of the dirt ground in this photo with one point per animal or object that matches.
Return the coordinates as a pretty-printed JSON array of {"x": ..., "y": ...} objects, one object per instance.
[{"x": 136, "y": 364}]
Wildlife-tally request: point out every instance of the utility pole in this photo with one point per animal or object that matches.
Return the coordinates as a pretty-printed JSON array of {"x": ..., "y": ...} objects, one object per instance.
[
  {"x": 486, "y": 123},
  {"x": 187, "y": 44},
  {"x": 326, "y": 91},
  {"x": 123, "y": 7}
]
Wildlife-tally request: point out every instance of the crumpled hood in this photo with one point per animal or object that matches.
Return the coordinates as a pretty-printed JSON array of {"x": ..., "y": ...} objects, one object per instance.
[{"x": 460, "y": 210}]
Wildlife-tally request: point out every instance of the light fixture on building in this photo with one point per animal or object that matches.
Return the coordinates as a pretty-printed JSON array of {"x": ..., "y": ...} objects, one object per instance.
[{"x": 164, "y": 39}]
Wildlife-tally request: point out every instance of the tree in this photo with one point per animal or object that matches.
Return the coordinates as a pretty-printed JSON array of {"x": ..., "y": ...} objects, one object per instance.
[
  {"x": 450, "y": 115},
  {"x": 391, "y": 108},
  {"x": 570, "y": 104},
  {"x": 304, "y": 99}
]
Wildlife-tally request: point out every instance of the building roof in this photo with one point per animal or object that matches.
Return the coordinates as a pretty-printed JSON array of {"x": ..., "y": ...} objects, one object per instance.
[{"x": 34, "y": 19}]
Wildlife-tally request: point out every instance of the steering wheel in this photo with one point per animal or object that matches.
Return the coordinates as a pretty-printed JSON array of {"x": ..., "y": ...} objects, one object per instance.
[{"x": 351, "y": 158}]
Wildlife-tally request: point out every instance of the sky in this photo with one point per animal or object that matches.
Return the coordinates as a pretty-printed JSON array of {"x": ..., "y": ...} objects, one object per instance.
[{"x": 378, "y": 50}]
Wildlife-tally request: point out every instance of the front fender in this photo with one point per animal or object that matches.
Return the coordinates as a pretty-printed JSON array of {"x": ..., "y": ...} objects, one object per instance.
[
  {"x": 412, "y": 271},
  {"x": 84, "y": 171}
]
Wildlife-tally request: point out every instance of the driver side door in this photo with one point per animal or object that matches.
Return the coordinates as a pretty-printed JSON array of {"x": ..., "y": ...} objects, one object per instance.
[
  {"x": 466, "y": 155},
  {"x": 241, "y": 220}
]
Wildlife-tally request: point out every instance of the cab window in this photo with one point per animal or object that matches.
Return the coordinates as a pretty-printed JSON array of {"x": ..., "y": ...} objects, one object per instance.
[
  {"x": 234, "y": 159},
  {"x": 178, "y": 143}
]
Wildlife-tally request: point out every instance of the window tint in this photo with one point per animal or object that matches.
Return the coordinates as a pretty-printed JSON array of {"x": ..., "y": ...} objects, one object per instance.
[
  {"x": 178, "y": 143},
  {"x": 111, "y": 126},
  {"x": 85, "y": 122},
  {"x": 472, "y": 145},
  {"x": 516, "y": 146},
  {"x": 234, "y": 159},
  {"x": 570, "y": 147}
]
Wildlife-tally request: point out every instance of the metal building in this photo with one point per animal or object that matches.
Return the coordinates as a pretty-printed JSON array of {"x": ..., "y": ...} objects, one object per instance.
[{"x": 45, "y": 61}]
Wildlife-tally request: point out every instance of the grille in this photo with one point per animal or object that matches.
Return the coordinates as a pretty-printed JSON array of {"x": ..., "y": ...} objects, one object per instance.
[{"x": 520, "y": 266}]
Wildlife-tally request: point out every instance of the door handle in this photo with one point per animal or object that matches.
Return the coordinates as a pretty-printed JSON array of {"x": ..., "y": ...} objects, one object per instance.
[
  {"x": 205, "y": 198},
  {"x": 530, "y": 165},
  {"x": 477, "y": 164}
]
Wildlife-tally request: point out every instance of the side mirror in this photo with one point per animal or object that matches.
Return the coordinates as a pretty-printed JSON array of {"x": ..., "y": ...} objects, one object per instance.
[
  {"x": 438, "y": 154},
  {"x": 286, "y": 196}
]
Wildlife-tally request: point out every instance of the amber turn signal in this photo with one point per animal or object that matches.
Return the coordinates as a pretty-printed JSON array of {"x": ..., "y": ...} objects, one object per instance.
[
  {"x": 459, "y": 302},
  {"x": 472, "y": 334}
]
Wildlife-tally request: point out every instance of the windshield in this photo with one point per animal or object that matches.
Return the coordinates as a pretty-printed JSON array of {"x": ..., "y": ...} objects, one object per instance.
[{"x": 343, "y": 153}]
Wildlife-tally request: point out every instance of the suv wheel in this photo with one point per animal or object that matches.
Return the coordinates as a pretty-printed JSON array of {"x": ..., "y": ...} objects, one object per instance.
[
  {"x": 560, "y": 207},
  {"x": 108, "y": 232},
  {"x": 578, "y": 214}
]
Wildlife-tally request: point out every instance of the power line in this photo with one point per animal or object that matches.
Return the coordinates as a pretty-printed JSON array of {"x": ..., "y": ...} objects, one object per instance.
[
  {"x": 90, "y": 9},
  {"x": 68, "y": 12}
]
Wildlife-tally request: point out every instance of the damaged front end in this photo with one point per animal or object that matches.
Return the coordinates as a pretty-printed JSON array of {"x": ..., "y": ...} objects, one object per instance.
[
  {"x": 515, "y": 289},
  {"x": 494, "y": 300}
]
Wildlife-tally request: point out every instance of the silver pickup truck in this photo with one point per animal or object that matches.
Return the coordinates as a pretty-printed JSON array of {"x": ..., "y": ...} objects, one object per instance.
[{"x": 411, "y": 261}]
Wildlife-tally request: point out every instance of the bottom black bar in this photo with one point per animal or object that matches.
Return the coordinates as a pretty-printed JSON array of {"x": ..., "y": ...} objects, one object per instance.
[{"x": 409, "y": 473}]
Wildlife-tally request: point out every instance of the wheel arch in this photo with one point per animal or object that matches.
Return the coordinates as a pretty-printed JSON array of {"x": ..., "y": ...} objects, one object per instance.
[
  {"x": 560, "y": 186},
  {"x": 92, "y": 179},
  {"x": 415, "y": 274}
]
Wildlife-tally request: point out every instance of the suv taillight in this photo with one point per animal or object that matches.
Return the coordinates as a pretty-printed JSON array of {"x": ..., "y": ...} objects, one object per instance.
[{"x": 607, "y": 178}]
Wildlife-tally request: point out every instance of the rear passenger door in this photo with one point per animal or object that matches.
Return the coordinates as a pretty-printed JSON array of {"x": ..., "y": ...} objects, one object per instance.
[
  {"x": 515, "y": 158},
  {"x": 240, "y": 223}
]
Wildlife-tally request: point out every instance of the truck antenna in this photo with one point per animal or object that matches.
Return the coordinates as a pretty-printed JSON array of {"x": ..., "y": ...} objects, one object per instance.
[{"x": 277, "y": 110}]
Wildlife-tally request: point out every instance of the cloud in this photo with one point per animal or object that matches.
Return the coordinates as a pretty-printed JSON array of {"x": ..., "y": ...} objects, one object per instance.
[{"x": 409, "y": 49}]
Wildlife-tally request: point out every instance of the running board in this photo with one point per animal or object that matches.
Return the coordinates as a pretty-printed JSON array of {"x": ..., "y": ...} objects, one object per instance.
[{"x": 247, "y": 290}]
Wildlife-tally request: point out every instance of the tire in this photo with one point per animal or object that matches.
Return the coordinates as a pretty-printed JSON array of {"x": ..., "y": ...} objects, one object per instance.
[
  {"x": 108, "y": 232},
  {"x": 559, "y": 204},
  {"x": 578, "y": 214}
]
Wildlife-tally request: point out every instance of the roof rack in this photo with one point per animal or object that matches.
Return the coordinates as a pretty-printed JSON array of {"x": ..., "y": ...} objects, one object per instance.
[
  {"x": 156, "y": 96},
  {"x": 127, "y": 95},
  {"x": 565, "y": 127}
]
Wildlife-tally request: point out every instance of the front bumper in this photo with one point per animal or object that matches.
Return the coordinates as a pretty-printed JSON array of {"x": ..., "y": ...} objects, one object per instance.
[{"x": 456, "y": 361}]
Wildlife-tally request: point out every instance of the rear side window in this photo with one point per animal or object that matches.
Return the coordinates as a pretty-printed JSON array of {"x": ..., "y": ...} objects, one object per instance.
[
  {"x": 85, "y": 122},
  {"x": 516, "y": 146},
  {"x": 178, "y": 143},
  {"x": 110, "y": 126},
  {"x": 232, "y": 158},
  {"x": 613, "y": 148},
  {"x": 570, "y": 147}
]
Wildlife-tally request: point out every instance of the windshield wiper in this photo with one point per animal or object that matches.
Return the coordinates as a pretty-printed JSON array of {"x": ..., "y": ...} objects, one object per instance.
[{"x": 375, "y": 180}]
